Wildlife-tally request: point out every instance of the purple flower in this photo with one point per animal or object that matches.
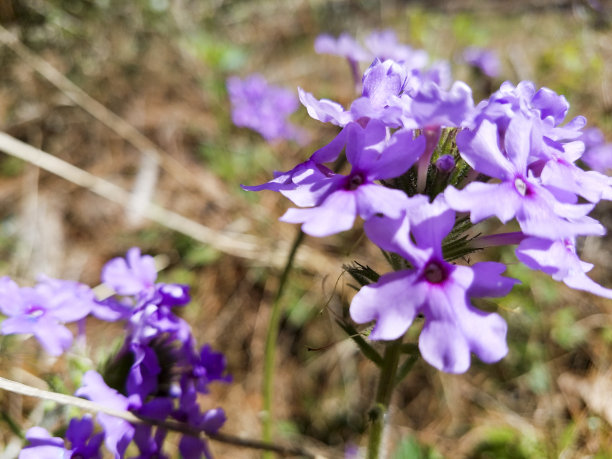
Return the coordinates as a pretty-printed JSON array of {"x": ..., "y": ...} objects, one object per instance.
[
  {"x": 486, "y": 60},
  {"x": 42, "y": 310},
  {"x": 264, "y": 108},
  {"x": 307, "y": 183},
  {"x": 598, "y": 154},
  {"x": 324, "y": 110},
  {"x": 83, "y": 443},
  {"x": 383, "y": 83},
  {"x": 357, "y": 193},
  {"x": 519, "y": 194},
  {"x": 429, "y": 106},
  {"x": 209, "y": 421},
  {"x": 43, "y": 445},
  {"x": 133, "y": 275},
  {"x": 383, "y": 44},
  {"x": 564, "y": 178},
  {"x": 445, "y": 163},
  {"x": 559, "y": 259},
  {"x": 118, "y": 433},
  {"x": 435, "y": 288},
  {"x": 545, "y": 108},
  {"x": 142, "y": 377}
]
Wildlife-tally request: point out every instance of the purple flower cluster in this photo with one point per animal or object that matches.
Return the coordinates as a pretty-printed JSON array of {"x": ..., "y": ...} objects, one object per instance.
[
  {"x": 418, "y": 152},
  {"x": 264, "y": 108},
  {"x": 157, "y": 374}
]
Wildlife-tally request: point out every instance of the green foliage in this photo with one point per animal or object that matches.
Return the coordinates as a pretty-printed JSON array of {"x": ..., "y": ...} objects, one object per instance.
[
  {"x": 11, "y": 166},
  {"x": 565, "y": 331},
  {"x": 409, "y": 448},
  {"x": 506, "y": 443},
  {"x": 538, "y": 378},
  {"x": 217, "y": 54}
]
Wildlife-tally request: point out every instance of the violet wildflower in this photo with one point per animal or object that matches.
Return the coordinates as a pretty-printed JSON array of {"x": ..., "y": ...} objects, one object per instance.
[
  {"x": 430, "y": 106},
  {"x": 383, "y": 44},
  {"x": 84, "y": 443},
  {"x": 435, "y": 288},
  {"x": 117, "y": 433},
  {"x": 161, "y": 370},
  {"x": 133, "y": 275},
  {"x": 445, "y": 163},
  {"x": 485, "y": 60},
  {"x": 357, "y": 194},
  {"x": 598, "y": 153},
  {"x": 536, "y": 208},
  {"x": 308, "y": 183},
  {"x": 558, "y": 258},
  {"x": 43, "y": 309},
  {"x": 260, "y": 106}
]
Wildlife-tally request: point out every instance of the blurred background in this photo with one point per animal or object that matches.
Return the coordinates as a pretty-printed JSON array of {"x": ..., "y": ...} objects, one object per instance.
[{"x": 135, "y": 93}]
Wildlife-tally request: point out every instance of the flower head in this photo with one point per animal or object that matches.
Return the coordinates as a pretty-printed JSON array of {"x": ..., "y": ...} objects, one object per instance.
[
  {"x": 264, "y": 108},
  {"x": 438, "y": 290},
  {"x": 347, "y": 196},
  {"x": 43, "y": 309},
  {"x": 84, "y": 443}
]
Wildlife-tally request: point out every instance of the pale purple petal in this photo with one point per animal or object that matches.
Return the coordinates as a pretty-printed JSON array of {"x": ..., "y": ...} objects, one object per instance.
[
  {"x": 119, "y": 433},
  {"x": 558, "y": 258},
  {"x": 486, "y": 335},
  {"x": 444, "y": 347},
  {"x": 401, "y": 153},
  {"x": 43, "y": 446},
  {"x": 484, "y": 200},
  {"x": 488, "y": 281},
  {"x": 131, "y": 275},
  {"x": 591, "y": 185},
  {"x": 432, "y": 106},
  {"x": 388, "y": 303},
  {"x": 431, "y": 223},
  {"x": 375, "y": 199},
  {"x": 337, "y": 213},
  {"x": 517, "y": 141},
  {"x": 481, "y": 150},
  {"x": 324, "y": 110},
  {"x": 550, "y": 104},
  {"x": 331, "y": 151}
]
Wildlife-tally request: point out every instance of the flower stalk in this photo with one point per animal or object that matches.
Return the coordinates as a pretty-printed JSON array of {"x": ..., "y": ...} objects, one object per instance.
[
  {"x": 386, "y": 383},
  {"x": 271, "y": 338}
]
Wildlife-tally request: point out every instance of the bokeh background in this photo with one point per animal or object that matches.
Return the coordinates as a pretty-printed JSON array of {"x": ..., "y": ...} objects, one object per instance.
[{"x": 160, "y": 67}]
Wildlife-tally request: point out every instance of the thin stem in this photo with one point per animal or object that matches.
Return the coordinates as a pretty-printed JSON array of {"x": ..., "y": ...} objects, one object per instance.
[
  {"x": 271, "y": 337},
  {"x": 386, "y": 384}
]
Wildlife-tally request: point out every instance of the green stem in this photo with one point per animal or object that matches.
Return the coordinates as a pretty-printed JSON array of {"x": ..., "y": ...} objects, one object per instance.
[
  {"x": 271, "y": 336},
  {"x": 383, "y": 397}
]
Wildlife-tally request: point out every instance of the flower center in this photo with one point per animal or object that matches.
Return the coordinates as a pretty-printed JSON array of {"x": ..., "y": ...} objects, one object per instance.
[
  {"x": 35, "y": 311},
  {"x": 354, "y": 182},
  {"x": 520, "y": 186},
  {"x": 435, "y": 273}
]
